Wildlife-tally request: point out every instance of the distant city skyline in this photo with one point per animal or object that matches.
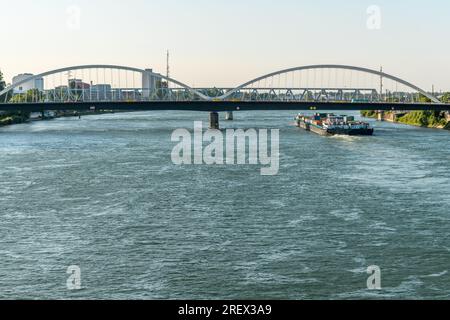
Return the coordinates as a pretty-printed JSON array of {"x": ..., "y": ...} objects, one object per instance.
[{"x": 225, "y": 43}]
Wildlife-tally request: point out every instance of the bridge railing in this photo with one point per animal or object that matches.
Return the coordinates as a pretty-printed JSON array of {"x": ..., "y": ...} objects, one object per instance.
[
  {"x": 113, "y": 95},
  {"x": 345, "y": 95}
]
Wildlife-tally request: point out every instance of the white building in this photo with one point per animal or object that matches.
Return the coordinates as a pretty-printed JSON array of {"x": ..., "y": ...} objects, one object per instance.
[
  {"x": 148, "y": 83},
  {"x": 101, "y": 92},
  {"x": 28, "y": 85}
]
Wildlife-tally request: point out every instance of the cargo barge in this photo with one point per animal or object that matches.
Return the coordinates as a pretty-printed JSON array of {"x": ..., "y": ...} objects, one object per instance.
[{"x": 328, "y": 124}]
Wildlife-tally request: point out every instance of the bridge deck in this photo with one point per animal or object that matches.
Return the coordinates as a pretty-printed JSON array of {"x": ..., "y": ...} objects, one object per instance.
[{"x": 222, "y": 106}]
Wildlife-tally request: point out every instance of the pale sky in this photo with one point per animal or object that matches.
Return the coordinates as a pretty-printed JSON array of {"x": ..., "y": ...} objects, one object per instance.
[{"x": 227, "y": 42}]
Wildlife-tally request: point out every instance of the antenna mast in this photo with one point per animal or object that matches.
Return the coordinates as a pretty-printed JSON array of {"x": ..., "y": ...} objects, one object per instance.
[
  {"x": 168, "y": 64},
  {"x": 381, "y": 83},
  {"x": 168, "y": 67}
]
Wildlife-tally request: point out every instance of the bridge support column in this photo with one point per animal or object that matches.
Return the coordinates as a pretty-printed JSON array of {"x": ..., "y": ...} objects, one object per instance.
[
  {"x": 214, "y": 121},
  {"x": 380, "y": 115},
  {"x": 229, "y": 116},
  {"x": 394, "y": 117}
]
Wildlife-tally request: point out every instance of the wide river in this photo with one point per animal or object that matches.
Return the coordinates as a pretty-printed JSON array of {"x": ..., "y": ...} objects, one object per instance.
[{"x": 102, "y": 193}]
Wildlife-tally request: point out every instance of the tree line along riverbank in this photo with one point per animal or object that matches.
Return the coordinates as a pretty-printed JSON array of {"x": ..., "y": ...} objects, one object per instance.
[
  {"x": 11, "y": 118},
  {"x": 427, "y": 119}
]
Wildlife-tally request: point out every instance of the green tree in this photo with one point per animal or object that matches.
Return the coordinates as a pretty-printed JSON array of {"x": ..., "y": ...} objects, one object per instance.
[
  {"x": 424, "y": 99},
  {"x": 3, "y": 86},
  {"x": 160, "y": 84},
  {"x": 446, "y": 97},
  {"x": 2, "y": 82},
  {"x": 33, "y": 95},
  {"x": 368, "y": 113},
  {"x": 214, "y": 92},
  {"x": 424, "y": 118}
]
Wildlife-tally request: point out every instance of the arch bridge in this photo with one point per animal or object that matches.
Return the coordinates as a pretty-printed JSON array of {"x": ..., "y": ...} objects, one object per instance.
[{"x": 315, "y": 87}]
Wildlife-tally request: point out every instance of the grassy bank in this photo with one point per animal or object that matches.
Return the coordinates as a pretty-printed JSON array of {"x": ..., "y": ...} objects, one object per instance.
[
  {"x": 369, "y": 114},
  {"x": 17, "y": 118},
  {"x": 13, "y": 118},
  {"x": 428, "y": 119}
]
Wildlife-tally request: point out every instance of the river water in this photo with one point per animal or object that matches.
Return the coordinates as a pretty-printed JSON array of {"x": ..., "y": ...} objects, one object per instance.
[{"x": 102, "y": 193}]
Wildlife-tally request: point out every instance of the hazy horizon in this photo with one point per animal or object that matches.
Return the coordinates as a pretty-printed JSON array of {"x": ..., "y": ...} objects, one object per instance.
[{"x": 239, "y": 41}]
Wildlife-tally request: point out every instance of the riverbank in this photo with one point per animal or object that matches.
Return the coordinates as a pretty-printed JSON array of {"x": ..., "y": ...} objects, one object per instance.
[
  {"x": 66, "y": 114},
  {"x": 425, "y": 119},
  {"x": 12, "y": 118},
  {"x": 8, "y": 119}
]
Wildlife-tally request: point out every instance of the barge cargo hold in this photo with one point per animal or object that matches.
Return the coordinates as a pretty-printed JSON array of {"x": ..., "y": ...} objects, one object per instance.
[{"x": 329, "y": 124}]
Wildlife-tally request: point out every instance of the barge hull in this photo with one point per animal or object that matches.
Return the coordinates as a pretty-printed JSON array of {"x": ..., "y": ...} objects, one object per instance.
[
  {"x": 332, "y": 132},
  {"x": 352, "y": 132},
  {"x": 320, "y": 131}
]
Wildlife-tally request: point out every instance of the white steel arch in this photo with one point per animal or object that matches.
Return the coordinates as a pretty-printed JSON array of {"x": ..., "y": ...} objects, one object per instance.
[
  {"x": 331, "y": 66},
  {"x": 100, "y": 66}
]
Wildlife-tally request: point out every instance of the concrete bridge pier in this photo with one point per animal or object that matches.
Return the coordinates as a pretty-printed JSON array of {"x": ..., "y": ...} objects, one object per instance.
[
  {"x": 229, "y": 116},
  {"x": 394, "y": 117},
  {"x": 380, "y": 115},
  {"x": 214, "y": 121}
]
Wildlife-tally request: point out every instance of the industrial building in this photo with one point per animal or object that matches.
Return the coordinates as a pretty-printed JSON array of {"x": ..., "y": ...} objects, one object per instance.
[{"x": 29, "y": 85}]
